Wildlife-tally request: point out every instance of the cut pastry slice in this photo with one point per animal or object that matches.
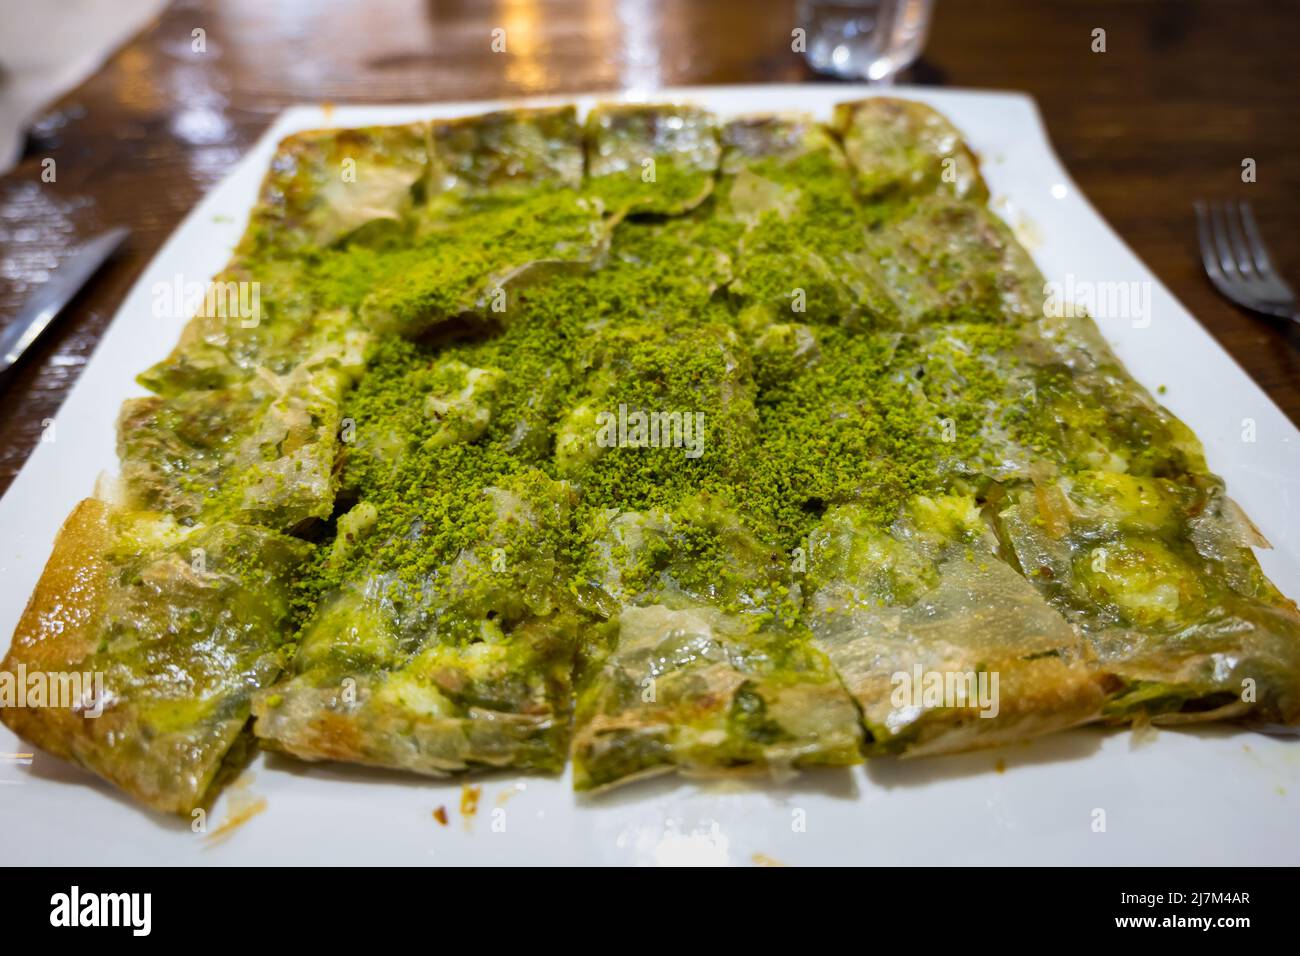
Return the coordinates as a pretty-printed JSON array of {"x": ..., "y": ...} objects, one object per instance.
[
  {"x": 1097, "y": 413},
  {"x": 471, "y": 258},
  {"x": 1160, "y": 577},
  {"x": 902, "y": 147},
  {"x": 259, "y": 452},
  {"x": 694, "y": 689},
  {"x": 943, "y": 645},
  {"x": 325, "y": 185},
  {"x": 780, "y": 136},
  {"x": 276, "y": 323},
  {"x": 651, "y": 158},
  {"x": 506, "y": 210},
  {"x": 944, "y": 260},
  {"x": 465, "y": 664},
  {"x": 507, "y": 150},
  {"x": 701, "y": 667},
  {"x": 175, "y": 628},
  {"x": 785, "y": 181}
]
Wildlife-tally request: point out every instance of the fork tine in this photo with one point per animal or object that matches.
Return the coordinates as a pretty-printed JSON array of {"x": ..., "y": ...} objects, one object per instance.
[
  {"x": 1237, "y": 261},
  {"x": 1208, "y": 256},
  {"x": 1219, "y": 231},
  {"x": 1259, "y": 252},
  {"x": 1241, "y": 255}
]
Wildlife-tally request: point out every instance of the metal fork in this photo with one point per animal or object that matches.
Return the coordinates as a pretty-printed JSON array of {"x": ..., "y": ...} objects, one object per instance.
[{"x": 1237, "y": 261}]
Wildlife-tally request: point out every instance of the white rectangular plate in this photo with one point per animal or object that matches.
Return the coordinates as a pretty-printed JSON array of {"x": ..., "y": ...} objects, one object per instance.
[{"x": 1087, "y": 797}]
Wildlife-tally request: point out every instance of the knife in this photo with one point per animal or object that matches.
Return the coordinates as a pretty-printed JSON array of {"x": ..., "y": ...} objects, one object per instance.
[{"x": 50, "y": 299}]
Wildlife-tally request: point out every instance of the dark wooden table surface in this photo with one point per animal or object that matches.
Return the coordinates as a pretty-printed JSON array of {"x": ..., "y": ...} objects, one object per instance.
[{"x": 1184, "y": 92}]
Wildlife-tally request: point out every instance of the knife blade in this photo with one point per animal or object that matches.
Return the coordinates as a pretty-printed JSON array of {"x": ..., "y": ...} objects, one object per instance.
[{"x": 50, "y": 299}]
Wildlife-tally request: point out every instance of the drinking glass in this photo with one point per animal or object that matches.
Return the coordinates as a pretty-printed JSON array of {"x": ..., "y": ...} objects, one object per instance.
[{"x": 863, "y": 39}]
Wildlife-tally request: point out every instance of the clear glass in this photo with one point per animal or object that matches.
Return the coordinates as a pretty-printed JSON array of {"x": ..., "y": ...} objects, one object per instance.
[{"x": 863, "y": 39}]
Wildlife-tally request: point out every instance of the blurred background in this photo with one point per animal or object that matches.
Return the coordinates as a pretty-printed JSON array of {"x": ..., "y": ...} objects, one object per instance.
[{"x": 143, "y": 105}]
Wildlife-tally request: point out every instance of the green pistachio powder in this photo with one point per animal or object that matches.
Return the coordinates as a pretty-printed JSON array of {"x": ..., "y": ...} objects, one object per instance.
[{"x": 844, "y": 425}]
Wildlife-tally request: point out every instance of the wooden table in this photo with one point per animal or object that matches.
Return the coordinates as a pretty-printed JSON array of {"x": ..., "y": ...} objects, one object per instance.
[{"x": 1184, "y": 92}]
